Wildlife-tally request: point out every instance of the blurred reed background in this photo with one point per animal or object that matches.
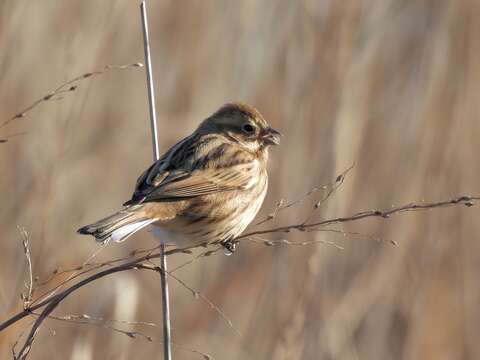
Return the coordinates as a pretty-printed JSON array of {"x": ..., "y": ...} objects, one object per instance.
[{"x": 391, "y": 85}]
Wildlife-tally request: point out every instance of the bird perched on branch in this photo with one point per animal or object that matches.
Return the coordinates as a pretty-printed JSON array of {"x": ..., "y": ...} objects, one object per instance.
[{"x": 206, "y": 189}]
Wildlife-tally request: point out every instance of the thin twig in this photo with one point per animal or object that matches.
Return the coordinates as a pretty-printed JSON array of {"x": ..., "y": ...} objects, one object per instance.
[
  {"x": 85, "y": 319},
  {"x": 198, "y": 295},
  {"x": 332, "y": 187},
  {"x": 6, "y": 138},
  {"x": 199, "y": 256},
  {"x": 386, "y": 213},
  {"x": 267, "y": 242},
  {"x": 377, "y": 239},
  {"x": 66, "y": 87},
  {"x": 53, "y": 291},
  {"x": 20, "y": 335},
  {"x": 27, "y": 298},
  {"x": 89, "y": 267},
  {"x": 89, "y": 318},
  {"x": 98, "y": 266}
]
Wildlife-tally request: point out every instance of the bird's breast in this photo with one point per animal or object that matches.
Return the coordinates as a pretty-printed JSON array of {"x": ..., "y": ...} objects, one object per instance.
[{"x": 219, "y": 216}]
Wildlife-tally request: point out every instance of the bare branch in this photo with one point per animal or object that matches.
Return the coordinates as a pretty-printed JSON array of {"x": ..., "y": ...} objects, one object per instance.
[
  {"x": 67, "y": 87},
  {"x": 50, "y": 303},
  {"x": 88, "y": 267},
  {"x": 56, "y": 299},
  {"x": 386, "y": 213}
]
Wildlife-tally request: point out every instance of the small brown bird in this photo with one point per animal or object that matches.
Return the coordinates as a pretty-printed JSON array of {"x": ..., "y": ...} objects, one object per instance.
[{"x": 206, "y": 189}]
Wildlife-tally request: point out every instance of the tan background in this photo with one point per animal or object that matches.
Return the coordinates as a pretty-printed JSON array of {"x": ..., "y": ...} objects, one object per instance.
[{"x": 391, "y": 85}]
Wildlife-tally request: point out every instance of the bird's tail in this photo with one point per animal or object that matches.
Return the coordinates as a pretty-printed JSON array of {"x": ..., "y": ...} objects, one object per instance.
[{"x": 119, "y": 226}]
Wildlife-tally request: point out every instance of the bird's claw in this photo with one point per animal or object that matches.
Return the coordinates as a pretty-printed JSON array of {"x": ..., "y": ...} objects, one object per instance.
[{"x": 229, "y": 246}]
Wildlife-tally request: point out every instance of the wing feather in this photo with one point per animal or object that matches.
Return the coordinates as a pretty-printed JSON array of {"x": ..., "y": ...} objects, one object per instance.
[
  {"x": 201, "y": 182},
  {"x": 176, "y": 177}
]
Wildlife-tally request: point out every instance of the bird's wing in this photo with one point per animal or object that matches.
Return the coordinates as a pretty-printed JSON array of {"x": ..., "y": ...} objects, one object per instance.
[
  {"x": 173, "y": 178},
  {"x": 181, "y": 185}
]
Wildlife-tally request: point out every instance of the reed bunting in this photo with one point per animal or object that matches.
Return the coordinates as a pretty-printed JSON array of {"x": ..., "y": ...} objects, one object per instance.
[{"x": 206, "y": 189}]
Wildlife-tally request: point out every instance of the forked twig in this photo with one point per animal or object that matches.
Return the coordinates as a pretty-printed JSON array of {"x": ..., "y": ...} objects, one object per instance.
[
  {"x": 330, "y": 188},
  {"x": 385, "y": 213}
]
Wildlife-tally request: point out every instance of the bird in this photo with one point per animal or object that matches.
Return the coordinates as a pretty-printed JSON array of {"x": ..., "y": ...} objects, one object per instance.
[{"x": 205, "y": 189}]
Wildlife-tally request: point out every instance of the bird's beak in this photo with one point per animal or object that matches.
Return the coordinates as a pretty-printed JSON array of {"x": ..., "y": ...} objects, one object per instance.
[{"x": 271, "y": 136}]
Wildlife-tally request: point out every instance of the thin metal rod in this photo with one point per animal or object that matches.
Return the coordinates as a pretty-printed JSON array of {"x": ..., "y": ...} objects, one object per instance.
[{"x": 167, "y": 345}]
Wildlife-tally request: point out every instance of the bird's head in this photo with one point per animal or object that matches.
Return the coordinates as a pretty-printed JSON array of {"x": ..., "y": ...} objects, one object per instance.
[{"x": 243, "y": 124}]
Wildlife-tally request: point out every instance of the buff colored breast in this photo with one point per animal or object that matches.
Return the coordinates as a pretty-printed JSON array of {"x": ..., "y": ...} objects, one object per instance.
[{"x": 216, "y": 217}]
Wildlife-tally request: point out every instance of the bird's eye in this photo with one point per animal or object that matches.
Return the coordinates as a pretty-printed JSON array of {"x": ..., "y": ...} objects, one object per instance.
[{"x": 248, "y": 128}]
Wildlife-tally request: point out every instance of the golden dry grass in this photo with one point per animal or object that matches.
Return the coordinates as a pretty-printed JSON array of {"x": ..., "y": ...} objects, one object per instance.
[{"x": 391, "y": 85}]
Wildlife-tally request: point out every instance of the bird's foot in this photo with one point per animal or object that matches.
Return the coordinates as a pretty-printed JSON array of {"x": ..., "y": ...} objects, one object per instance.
[{"x": 230, "y": 246}]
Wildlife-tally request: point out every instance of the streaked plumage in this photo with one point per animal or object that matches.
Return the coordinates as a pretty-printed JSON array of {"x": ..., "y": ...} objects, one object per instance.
[{"x": 206, "y": 188}]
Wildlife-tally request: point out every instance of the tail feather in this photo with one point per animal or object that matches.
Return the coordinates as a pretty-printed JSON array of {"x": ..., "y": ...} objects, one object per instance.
[
  {"x": 128, "y": 230},
  {"x": 117, "y": 227}
]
